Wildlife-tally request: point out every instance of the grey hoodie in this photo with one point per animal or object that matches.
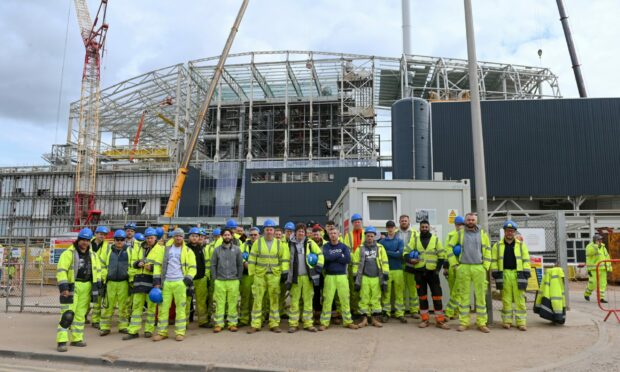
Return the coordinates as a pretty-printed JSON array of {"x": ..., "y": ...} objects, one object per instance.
[{"x": 227, "y": 263}]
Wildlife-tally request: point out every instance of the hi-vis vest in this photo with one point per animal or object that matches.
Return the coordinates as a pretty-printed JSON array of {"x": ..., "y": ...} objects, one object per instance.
[
  {"x": 486, "y": 247},
  {"x": 268, "y": 261},
  {"x": 550, "y": 301},
  {"x": 429, "y": 256},
  {"x": 595, "y": 254},
  {"x": 522, "y": 256}
]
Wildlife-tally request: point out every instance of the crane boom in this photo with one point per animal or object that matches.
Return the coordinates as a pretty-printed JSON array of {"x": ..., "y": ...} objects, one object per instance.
[
  {"x": 177, "y": 188},
  {"x": 83, "y": 17}
]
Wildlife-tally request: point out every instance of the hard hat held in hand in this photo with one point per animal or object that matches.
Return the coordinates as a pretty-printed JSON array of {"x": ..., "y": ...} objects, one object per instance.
[
  {"x": 312, "y": 259},
  {"x": 156, "y": 296}
]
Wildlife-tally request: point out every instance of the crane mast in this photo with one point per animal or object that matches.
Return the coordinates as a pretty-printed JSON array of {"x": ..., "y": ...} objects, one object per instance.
[{"x": 93, "y": 35}]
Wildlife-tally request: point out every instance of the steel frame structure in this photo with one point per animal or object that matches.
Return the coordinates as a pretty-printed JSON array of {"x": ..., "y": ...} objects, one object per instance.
[{"x": 284, "y": 105}]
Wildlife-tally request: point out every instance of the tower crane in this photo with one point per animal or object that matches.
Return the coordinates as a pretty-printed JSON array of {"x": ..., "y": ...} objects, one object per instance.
[{"x": 94, "y": 36}]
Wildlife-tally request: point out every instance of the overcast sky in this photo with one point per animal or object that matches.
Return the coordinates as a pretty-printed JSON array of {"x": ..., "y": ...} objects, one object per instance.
[{"x": 148, "y": 34}]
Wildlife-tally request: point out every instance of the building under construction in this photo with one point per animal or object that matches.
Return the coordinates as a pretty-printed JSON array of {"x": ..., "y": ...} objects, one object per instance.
[{"x": 302, "y": 115}]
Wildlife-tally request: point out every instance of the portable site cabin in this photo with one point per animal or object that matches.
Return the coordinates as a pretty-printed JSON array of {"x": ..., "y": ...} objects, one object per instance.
[{"x": 379, "y": 201}]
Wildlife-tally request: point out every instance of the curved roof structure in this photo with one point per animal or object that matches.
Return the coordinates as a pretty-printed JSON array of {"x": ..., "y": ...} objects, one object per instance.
[{"x": 277, "y": 93}]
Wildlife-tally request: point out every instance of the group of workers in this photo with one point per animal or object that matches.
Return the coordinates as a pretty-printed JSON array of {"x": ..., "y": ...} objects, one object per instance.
[{"x": 238, "y": 280}]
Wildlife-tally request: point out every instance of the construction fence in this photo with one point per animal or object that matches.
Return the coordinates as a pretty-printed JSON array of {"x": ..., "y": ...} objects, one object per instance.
[{"x": 28, "y": 264}]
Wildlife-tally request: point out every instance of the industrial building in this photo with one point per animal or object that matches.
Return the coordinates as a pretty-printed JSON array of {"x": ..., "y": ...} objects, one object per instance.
[{"x": 288, "y": 120}]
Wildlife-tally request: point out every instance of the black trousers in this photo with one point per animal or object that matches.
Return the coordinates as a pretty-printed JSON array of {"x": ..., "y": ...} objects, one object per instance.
[{"x": 428, "y": 279}]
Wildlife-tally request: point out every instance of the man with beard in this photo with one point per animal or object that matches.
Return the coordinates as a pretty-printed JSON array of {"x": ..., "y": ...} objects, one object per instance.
[
  {"x": 408, "y": 235},
  {"x": 226, "y": 271},
  {"x": 472, "y": 267},
  {"x": 203, "y": 268},
  {"x": 427, "y": 261}
]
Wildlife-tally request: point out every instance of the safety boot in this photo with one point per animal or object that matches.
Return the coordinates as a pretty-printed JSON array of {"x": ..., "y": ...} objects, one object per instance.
[
  {"x": 233, "y": 328},
  {"x": 484, "y": 329},
  {"x": 130, "y": 336},
  {"x": 442, "y": 325},
  {"x": 62, "y": 347},
  {"x": 506, "y": 326},
  {"x": 322, "y": 328},
  {"x": 522, "y": 328},
  {"x": 148, "y": 334},
  {"x": 376, "y": 322},
  {"x": 78, "y": 343},
  {"x": 159, "y": 337},
  {"x": 351, "y": 326},
  {"x": 424, "y": 324},
  {"x": 180, "y": 338},
  {"x": 363, "y": 323},
  {"x": 104, "y": 332},
  {"x": 385, "y": 317},
  {"x": 217, "y": 329},
  {"x": 252, "y": 330}
]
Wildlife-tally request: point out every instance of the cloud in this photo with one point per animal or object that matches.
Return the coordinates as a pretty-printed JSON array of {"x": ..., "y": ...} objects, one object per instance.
[{"x": 145, "y": 35}]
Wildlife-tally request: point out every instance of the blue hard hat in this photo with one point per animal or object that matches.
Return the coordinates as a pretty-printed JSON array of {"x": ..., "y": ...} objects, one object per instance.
[
  {"x": 231, "y": 224},
  {"x": 217, "y": 232},
  {"x": 160, "y": 232},
  {"x": 414, "y": 254},
  {"x": 289, "y": 226},
  {"x": 356, "y": 217},
  {"x": 312, "y": 259},
  {"x": 202, "y": 231},
  {"x": 269, "y": 223},
  {"x": 245, "y": 256},
  {"x": 139, "y": 237},
  {"x": 370, "y": 229},
  {"x": 194, "y": 230},
  {"x": 510, "y": 225},
  {"x": 156, "y": 296},
  {"x": 85, "y": 233},
  {"x": 120, "y": 234},
  {"x": 150, "y": 232},
  {"x": 102, "y": 229},
  {"x": 131, "y": 226},
  {"x": 459, "y": 220},
  {"x": 457, "y": 250},
  {"x": 255, "y": 229}
]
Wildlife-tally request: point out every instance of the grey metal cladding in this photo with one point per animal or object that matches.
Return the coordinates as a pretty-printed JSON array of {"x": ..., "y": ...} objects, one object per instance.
[{"x": 534, "y": 147}]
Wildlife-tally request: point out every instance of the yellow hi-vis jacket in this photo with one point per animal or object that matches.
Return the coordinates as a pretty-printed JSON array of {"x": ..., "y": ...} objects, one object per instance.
[
  {"x": 67, "y": 270},
  {"x": 522, "y": 256},
  {"x": 314, "y": 272},
  {"x": 159, "y": 256},
  {"x": 348, "y": 240},
  {"x": 596, "y": 253},
  {"x": 429, "y": 256},
  {"x": 550, "y": 300},
  {"x": 458, "y": 239},
  {"x": 264, "y": 261},
  {"x": 357, "y": 264},
  {"x": 449, "y": 252},
  {"x": 412, "y": 237},
  {"x": 140, "y": 276}
]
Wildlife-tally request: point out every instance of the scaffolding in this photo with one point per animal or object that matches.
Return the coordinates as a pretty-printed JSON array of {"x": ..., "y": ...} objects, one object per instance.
[
  {"x": 281, "y": 109},
  {"x": 281, "y": 105}
]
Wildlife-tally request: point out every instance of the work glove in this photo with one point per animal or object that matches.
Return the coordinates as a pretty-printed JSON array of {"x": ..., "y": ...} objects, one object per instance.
[
  {"x": 589, "y": 273},
  {"x": 283, "y": 277},
  {"x": 527, "y": 274},
  {"x": 288, "y": 286},
  {"x": 384, "y": 287},
  {"x": 188, "y": 282},
  {"x": 357, "y": 287}
]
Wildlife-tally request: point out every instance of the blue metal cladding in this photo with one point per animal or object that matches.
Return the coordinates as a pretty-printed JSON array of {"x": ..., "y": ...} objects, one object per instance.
[{"x": 543, "y": 148}]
